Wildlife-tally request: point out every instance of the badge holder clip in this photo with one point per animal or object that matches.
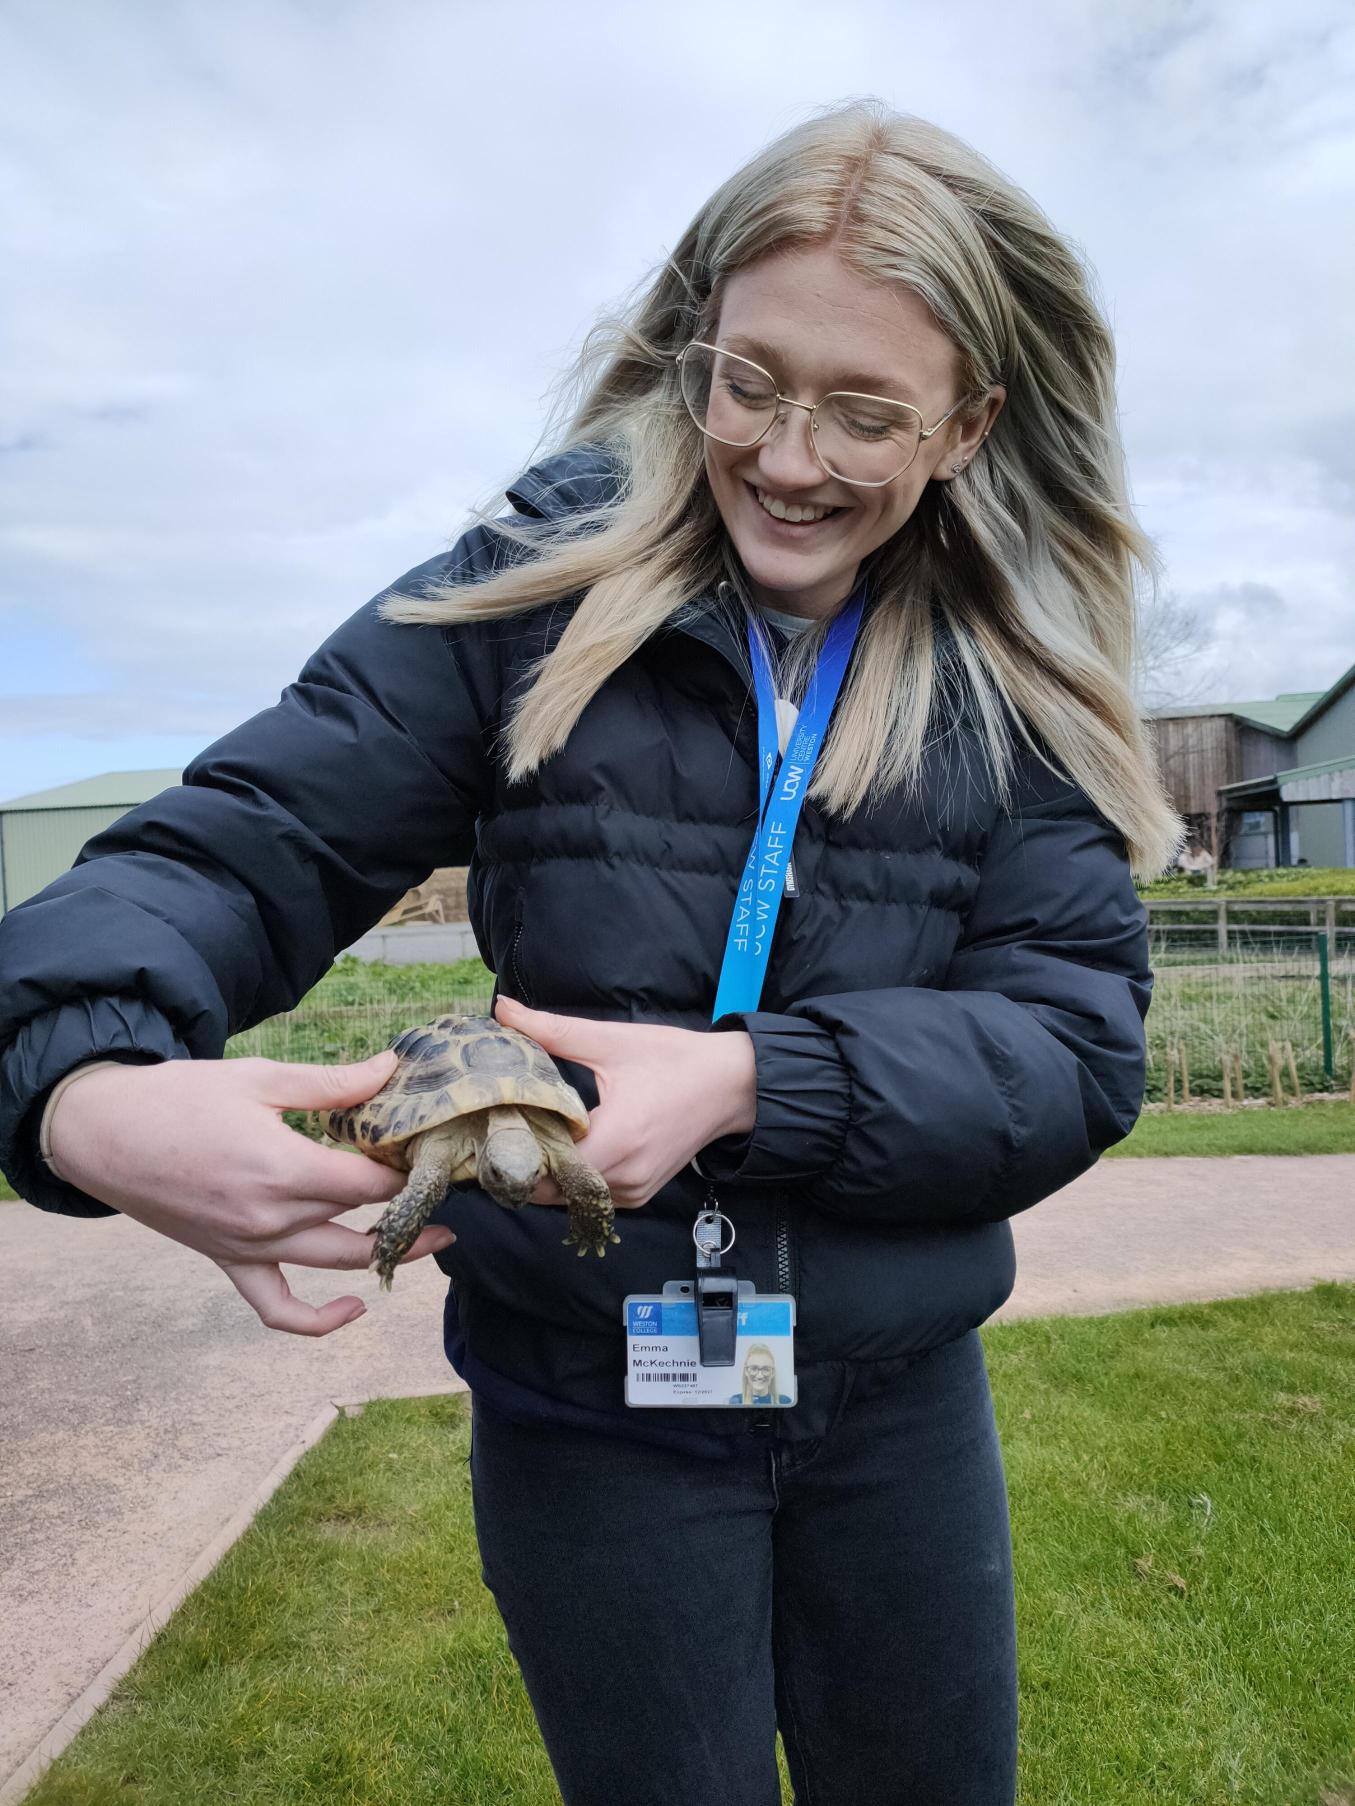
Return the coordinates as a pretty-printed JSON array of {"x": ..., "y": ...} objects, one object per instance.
[{"x": 717, "y": 1291}]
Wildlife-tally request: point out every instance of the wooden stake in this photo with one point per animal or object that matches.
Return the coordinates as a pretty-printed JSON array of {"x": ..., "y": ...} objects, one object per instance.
[
  {"x": 1239, "y": 1081},
  {"x": 1293, "y": 1072},
  {"x": 1185, "y": 1074},
  {"x": 1227, "y": 1083},
  {"x": 1171, "y": 1075},
  {"x": 1273, "y": 1059}
]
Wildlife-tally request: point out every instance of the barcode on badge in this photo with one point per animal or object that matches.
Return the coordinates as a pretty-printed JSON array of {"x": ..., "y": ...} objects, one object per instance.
[{"x": 667, "y": 1376}]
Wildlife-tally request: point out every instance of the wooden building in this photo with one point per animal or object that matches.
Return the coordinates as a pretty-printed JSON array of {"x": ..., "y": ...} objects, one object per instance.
[{"x": 1265, "y": 783}]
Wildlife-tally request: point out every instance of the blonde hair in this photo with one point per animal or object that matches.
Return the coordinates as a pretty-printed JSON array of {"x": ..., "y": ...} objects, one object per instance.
[
  {"x": 758, "y": 1348},
  {"x": 1029, "y": 558}
]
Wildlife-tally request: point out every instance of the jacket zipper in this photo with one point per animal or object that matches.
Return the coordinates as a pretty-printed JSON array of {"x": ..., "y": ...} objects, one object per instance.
[
  {"x": 513, "y": 961},
  {"x": 782, "y": 1239},
  {"x": 782, "y": 1251}
]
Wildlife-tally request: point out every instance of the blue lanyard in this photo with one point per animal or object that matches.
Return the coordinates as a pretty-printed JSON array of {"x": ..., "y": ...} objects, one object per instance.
[{"x": 781, "y": 794}]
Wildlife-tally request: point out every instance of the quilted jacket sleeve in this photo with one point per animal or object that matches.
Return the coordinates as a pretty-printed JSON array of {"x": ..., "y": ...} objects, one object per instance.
[
  {"x": 973, "y": 1101},
  {"x": 222, "y": 901}
]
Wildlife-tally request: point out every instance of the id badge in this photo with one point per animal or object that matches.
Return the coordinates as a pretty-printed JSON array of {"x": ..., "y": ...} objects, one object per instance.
[{"x": 663, "y": 1353}]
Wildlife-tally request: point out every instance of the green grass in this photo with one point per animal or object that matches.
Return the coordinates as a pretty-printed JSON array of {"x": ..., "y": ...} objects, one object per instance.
[
  {"x": 359, "y": 1006},
  {"x": 1180, "y": 1485},
  {"x": 1316, "y": 1128},
  {"x": 1277, "y": 882}
]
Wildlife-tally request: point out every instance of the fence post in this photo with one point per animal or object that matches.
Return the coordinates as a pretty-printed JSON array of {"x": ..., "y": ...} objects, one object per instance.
[
  {"x": 1331, "y": 927},
  {"x": 1223, "y": 924},
  {"x": 1324, "y": 980}
]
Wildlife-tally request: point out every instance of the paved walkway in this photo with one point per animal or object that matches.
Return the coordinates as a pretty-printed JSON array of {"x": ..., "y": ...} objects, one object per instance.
[{"x": 145, "y": 1411}]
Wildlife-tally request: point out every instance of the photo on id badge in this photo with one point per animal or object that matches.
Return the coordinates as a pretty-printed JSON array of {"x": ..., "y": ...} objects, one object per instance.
[
  {"x": 664, "y": 1364},
  {"x": 759, "y": 1379}
]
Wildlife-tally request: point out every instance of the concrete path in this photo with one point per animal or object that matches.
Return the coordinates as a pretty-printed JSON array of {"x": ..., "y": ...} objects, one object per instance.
[{"x": 145, "y": 1413}]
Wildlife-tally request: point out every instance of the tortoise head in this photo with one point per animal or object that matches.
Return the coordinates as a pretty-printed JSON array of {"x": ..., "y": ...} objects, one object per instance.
[{"x": 511, "y": 1164}]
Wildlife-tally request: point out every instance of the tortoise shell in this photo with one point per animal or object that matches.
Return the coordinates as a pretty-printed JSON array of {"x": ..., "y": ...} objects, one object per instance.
[{"x": 449, "y": 1068}]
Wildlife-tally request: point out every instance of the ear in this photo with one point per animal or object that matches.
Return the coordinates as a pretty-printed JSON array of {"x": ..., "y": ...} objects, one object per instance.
[{"x": 971, "y": 436}]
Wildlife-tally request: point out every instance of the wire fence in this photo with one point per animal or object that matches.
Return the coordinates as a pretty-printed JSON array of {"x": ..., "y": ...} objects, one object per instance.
[
  {"x": 358, "y": 1008},
  {"x": 1216, "y": 1007},
  {"x": 1225, "y": 1008}
]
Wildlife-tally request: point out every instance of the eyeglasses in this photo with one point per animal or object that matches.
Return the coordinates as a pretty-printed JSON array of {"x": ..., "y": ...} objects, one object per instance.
[{"x": 865, "y": 440}]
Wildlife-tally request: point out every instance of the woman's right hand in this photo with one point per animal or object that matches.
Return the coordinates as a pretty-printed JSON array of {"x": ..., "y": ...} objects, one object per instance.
[{"x": 198, "y": 1150}]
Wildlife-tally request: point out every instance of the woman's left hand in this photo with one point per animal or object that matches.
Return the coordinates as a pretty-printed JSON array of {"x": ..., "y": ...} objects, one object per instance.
[{"x": 663, "y": 1094}]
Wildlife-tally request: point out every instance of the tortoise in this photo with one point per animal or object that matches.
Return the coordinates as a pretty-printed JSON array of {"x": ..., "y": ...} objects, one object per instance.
[{"x": 473, "y": 1099}]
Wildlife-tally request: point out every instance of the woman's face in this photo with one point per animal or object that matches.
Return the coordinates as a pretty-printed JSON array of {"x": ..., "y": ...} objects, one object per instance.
[
  {"x": 759, "y": 1373},
  {"x": 822, "y": 325}
]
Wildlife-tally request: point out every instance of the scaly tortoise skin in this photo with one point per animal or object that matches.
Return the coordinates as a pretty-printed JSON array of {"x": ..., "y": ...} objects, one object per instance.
[{"x": 471, "y": 1099}]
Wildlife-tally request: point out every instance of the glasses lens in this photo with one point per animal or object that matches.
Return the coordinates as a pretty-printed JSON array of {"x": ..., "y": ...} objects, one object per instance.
[
  {"x": 729, "y": 398},
  {"x": 866, "y": 439}
]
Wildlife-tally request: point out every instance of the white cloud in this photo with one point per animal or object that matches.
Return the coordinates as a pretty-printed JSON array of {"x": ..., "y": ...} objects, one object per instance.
[{"x": 288, "y": 287}]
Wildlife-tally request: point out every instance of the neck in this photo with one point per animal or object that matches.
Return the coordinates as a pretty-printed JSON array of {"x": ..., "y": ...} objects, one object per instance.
[{"x": 810, "y": 608}]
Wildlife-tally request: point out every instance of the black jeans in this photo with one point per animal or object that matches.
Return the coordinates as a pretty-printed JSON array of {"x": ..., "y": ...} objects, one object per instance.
[{"x": 668, "y": 1612}]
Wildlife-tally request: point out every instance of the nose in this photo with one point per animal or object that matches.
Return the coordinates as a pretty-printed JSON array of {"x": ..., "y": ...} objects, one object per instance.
[{"x": 786, "y": 455}]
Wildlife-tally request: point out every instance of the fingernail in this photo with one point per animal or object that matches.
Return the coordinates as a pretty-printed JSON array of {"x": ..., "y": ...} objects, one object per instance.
[{"x": 353, "y": 1316}]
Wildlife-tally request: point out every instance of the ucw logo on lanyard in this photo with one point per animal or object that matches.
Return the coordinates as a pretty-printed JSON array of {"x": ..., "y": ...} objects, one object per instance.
[{"x": 782, "y": 783}]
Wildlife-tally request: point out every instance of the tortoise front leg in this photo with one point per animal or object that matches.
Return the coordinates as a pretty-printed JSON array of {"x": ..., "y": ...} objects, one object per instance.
[
  {"x": 592, "y": 1215},
  {"x": 437, "y": 1154}
]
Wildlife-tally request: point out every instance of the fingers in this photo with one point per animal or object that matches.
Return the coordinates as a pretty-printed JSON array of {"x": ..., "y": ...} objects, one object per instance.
[
  {"x": 346, "y": 1250},
  {"x": 265, "y": 1289},
  {"x": 576, "y": 1038},
  {"x": 267, "y": 1292},
  {"x": 309, "y": 1169},
  {"x": 289, "y": 1086}
]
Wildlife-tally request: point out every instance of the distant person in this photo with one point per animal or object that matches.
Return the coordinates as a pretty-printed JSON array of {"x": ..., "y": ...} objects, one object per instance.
[
  {"x": 1198, "y": 861},
  {"x": 834, "y": 551}
]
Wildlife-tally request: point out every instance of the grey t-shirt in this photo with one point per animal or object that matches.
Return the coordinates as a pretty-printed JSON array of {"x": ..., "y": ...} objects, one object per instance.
[{"x": 788, "y": 623}]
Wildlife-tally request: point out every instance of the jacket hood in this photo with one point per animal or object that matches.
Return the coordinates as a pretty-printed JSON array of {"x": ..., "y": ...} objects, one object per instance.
[{"x": 584, "y": 476}]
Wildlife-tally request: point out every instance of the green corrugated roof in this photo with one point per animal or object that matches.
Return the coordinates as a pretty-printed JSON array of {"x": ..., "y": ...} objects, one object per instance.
[
  {"x": 1277, "y": 778},
  {"x": 110, "y": 790},
  {"x": 1280, "y": 714}
]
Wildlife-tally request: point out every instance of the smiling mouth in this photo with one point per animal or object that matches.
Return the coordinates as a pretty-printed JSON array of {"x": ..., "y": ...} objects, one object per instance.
[{"x": 781, "y": 521}]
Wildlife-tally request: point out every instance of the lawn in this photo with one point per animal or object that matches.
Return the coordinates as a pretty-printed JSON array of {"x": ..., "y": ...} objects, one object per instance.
[
  {"x": 1275, "y": 882},
  {"x": 1180, "y": 1483},
  {"x": 1313, "y": 1128}
]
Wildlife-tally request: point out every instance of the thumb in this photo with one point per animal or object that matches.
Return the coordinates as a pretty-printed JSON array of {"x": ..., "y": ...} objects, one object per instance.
[
  {"x": 573, "y": 1036},
  {"x": 289, "y": 1086}
]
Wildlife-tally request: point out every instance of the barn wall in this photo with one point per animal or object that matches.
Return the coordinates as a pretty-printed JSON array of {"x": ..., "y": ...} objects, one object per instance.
[
  {"x": 1332, "y": 735},
  {"x": 1260, "y": 754},
  {"x": 37, "y": 845},
  {"x": 1194, "y": 754}
]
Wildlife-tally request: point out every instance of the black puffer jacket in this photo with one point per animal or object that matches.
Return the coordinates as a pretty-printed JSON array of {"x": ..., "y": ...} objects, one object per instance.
[{"x": 951, "y": 1028}]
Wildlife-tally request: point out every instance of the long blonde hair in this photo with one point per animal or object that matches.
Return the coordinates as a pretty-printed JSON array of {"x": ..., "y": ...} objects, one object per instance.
[
  {"x": 1029, "y": 558},
  {"x": 758, "y": 1348}
]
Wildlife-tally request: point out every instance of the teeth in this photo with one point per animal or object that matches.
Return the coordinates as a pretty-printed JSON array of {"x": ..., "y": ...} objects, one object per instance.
[{"x": 780, "y": 511}]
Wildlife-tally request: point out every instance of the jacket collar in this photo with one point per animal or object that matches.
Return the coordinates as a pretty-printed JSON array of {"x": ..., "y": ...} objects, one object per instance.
[{"x": 585, "y": 477}]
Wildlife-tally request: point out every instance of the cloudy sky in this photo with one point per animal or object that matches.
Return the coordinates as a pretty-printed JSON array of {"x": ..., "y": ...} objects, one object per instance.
[{"x": 287, "y": 284}]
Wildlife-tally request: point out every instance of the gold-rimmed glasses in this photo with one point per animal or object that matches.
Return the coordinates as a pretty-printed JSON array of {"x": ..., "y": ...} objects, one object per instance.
[{"x": 865, "y": 440}]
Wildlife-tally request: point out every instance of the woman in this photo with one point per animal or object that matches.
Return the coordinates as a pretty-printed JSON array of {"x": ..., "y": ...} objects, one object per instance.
[
  {"x": 759, "y": 1379},
  {"x": 862, "y": 419}
]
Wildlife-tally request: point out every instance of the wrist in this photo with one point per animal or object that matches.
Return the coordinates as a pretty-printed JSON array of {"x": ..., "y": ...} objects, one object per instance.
[
  {"x": 54, "y": 1097},
  {"x": 738, "y": 1083}
]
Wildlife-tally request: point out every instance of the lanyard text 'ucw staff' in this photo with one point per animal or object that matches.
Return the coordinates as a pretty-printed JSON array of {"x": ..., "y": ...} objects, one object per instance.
[{"x": 781, "y": 794}]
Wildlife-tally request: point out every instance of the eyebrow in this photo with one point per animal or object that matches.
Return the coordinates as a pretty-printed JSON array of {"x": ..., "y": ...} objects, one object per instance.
[{"x": 856, "y": 379}]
